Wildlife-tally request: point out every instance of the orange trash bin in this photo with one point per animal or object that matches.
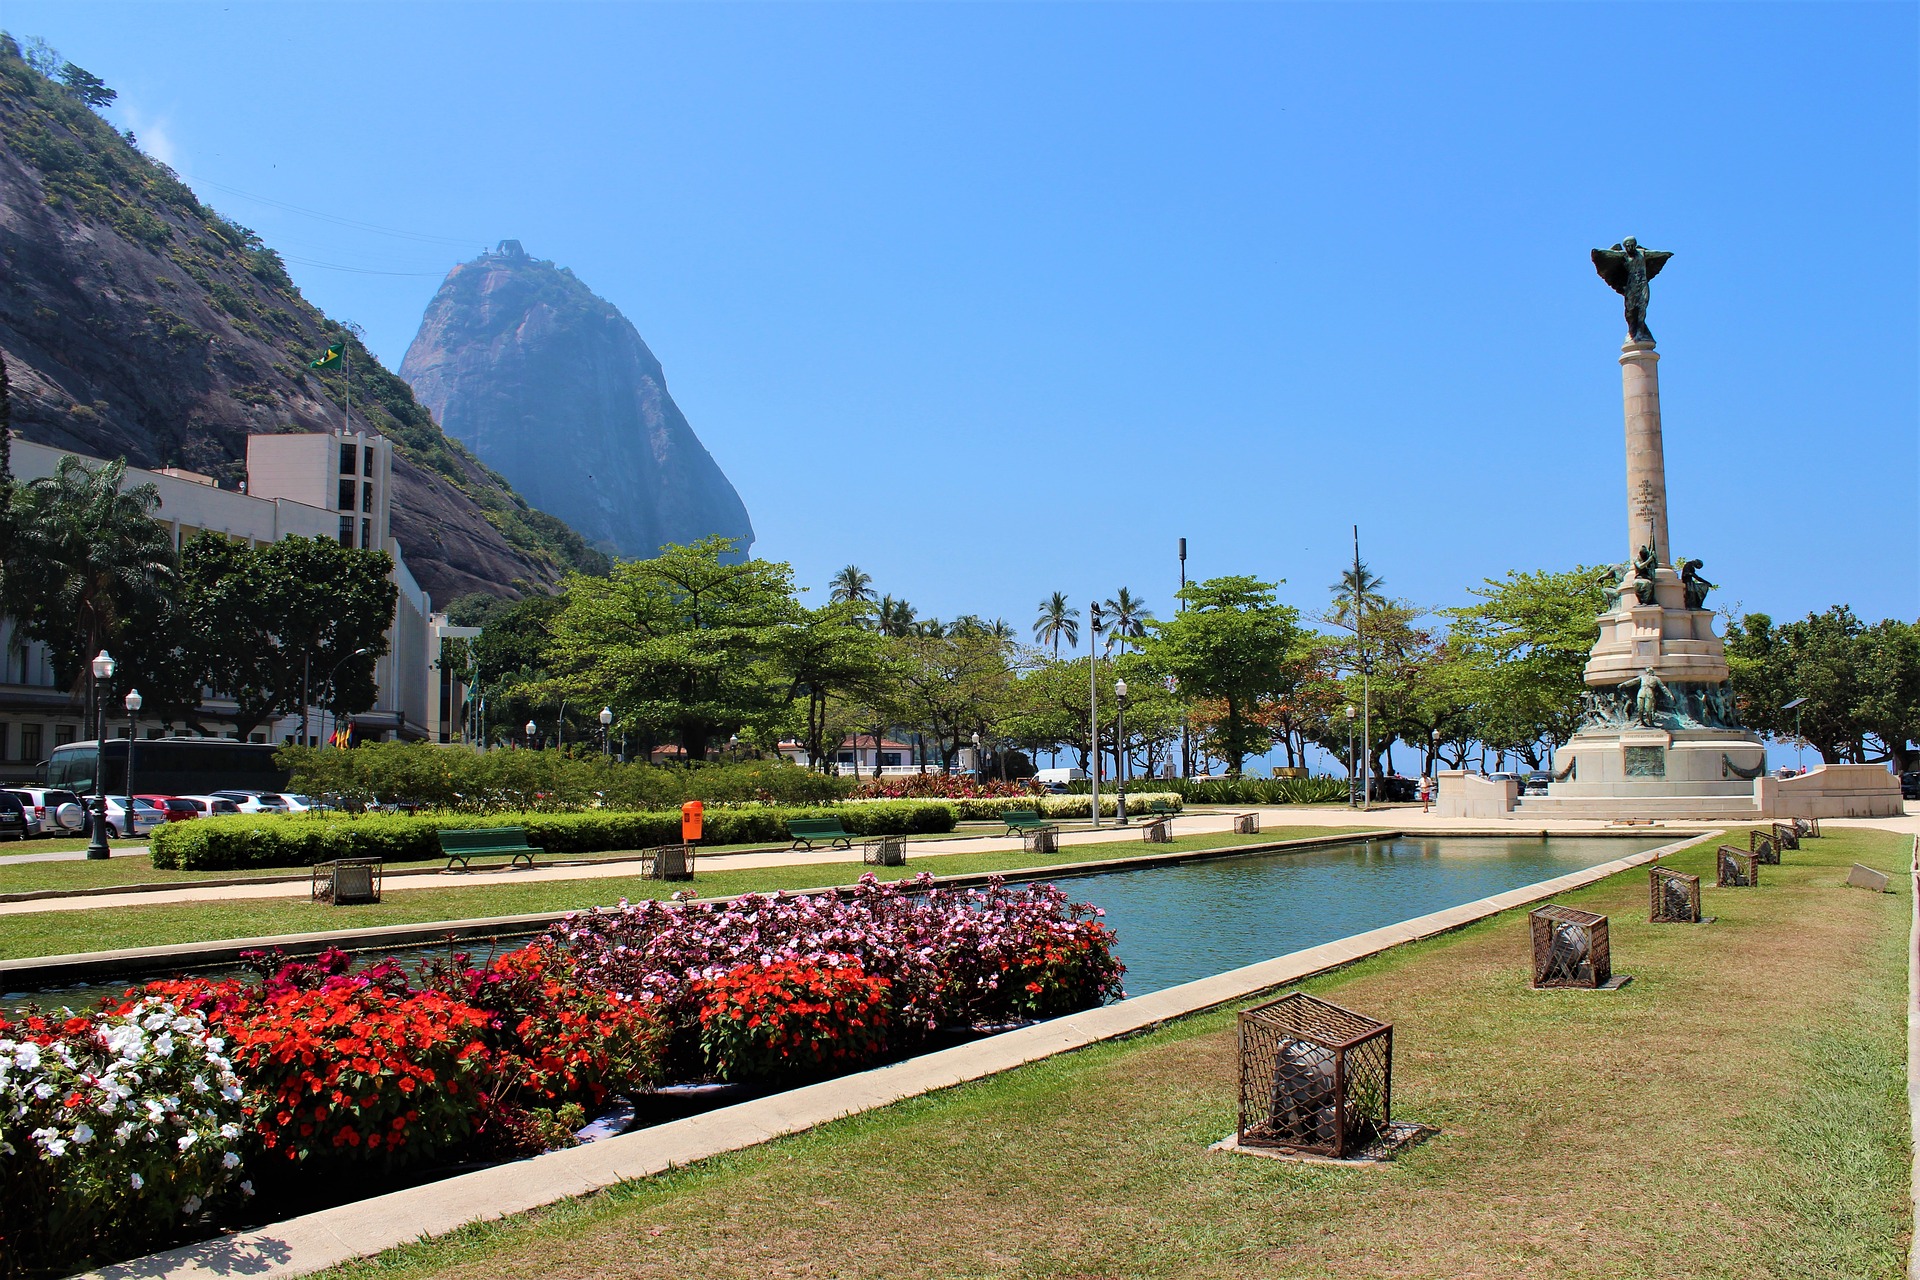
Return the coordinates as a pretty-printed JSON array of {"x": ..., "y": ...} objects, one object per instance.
[{"x": 690, "y": 815}]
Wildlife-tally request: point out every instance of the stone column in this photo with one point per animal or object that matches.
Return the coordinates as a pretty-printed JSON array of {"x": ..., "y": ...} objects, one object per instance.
[{"x": 1646, "y": 457}]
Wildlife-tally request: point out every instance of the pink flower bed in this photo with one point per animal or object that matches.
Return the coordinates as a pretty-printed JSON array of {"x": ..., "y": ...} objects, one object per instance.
[
  {"x": 940, "y": 786},
  {"x": 950, "y": 958}
]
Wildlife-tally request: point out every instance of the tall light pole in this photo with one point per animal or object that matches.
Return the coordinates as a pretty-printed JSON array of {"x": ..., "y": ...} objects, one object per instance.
[
  {"x": 133, "y": 737},
  {"x": 1186, "y": 752},
  {"x": 357, "y": 653},
  {"x": 1093, "y": 710},
  {"x": 102, "y": 672},
  {"x": 606, "y": 732},
  {"x": 1799, "y": 743},
  {"x": 1366, "y": 676},
  {"x": 1120, "y": 747},
  {"x": 532, "y": 728},
  {"x": 979, "y": 761},
  {"x": 1350, "y": 760}
]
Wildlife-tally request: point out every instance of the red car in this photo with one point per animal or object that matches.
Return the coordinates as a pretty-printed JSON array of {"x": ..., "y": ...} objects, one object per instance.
[{"x": 176, "y": 809}]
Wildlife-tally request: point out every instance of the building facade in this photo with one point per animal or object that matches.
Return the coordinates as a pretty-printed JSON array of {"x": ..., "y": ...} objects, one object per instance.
[{"x": 324, "y": 485}]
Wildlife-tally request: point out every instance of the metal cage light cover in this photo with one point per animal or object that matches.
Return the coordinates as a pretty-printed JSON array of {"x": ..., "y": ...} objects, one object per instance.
[
  {"x": 1675, "y": 897},
  {"x": 1570, "y": 947},
  {"x": 1738, "y": 869},
  {"x": 1314, "y": 1076}
]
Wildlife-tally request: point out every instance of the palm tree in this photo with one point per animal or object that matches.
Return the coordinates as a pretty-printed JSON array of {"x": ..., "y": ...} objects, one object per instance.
[
  {"x": 1356, "y": 583},
  {"x": 896, "y": 617},
  {"x": 1057, "y": 619},
  {"x": 1129, "y": 614},
  {"x": 850, "y": 586},
  {"x": 86, "y": 557}
]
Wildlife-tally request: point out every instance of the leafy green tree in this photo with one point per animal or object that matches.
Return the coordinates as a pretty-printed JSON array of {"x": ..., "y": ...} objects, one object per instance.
[
  {"x": 896, "y": 617},
  {"x": 1861, "y": 683},
  {"x": 1058, "y": 619},
  {"x": 1358, "y": 584},
  {"x": 86, "y": 86},
  {"x": 826, "y": 655},
  {"x": 1046, "y": 709},
  {"x": 1233, "y": 643},
  {"x": 683, "y": 643},
  {"x": 1888, "y": 702},
  {"x": 327, "y": 609},
  {"x": 1522, "y": 651},
  {"x": 949, "y": 686},
  {"x": 510, "y": 663},
  {"x": 1129, "y": 616},
  {"x": 87, "y": 557}
]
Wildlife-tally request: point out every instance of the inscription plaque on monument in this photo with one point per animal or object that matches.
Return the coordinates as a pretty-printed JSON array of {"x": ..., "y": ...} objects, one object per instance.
[{"x": 1646, "y": 762}]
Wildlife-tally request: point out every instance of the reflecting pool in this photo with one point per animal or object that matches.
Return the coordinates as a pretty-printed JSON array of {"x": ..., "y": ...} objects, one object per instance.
[{"x": 1179, "y": 923}]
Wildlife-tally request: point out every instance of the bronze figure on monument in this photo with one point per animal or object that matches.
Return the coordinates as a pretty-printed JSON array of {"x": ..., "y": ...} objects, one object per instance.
[{"x": 1628, "y": 268}]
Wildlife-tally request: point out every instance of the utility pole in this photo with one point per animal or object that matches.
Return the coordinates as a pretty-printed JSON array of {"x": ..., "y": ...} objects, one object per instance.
[
  {"x": 1186, "y": 750},
  {"x": 1093, "y": 713}
]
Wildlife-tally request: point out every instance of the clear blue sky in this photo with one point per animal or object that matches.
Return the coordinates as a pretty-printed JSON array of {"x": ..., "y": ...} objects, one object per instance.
[{"x": 996, "y": 300}]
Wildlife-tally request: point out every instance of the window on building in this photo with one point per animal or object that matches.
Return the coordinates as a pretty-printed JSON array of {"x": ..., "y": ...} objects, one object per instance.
[
  {"x": 366, "y": 497},
  {"x": 367, "y": 463},
  {"x": 256, "y": 737},
  {"x": 345, "y": 497},
  {"x": 890, "y": 758},
  {"x": 346, "y": 531},
  {"x": 845, "y": 757},
  {"x": 347, "y": 467},
  {"x": 30, "y": 743},
  {"x": 366, "y": 533},
  {"x": 6, "y": 736},
  {"x": 63, "y": 734}
]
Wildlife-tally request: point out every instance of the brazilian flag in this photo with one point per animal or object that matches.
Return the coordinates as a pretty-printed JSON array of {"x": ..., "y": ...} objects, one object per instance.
[{"x": 330, "y": 359}]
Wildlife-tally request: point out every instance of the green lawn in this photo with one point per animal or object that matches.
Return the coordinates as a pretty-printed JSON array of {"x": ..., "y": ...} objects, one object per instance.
[
  {"x": 63, "y": 932},
  {"x": 1738, "y": 1111}
]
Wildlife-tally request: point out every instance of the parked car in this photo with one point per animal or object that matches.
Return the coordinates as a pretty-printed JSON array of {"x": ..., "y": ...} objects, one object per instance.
[
  {"x": 13, "y": 817},
  {"x": 210, "y": 806},
  {"x": 146, "y": 816},
  {"x": 1394, "y": 787},
  {"x": 254, "y": 801},
  {"x": 174, "y": 810},
  {"x": 1537, "y": 782},
  {"x": 1517, "y": 779},
  {"x": 48, "y": 810},
  {"x": 1910, "y": 785},
  {"x": 1056, "y": 780},
  {"x": 304, "y": 804}
]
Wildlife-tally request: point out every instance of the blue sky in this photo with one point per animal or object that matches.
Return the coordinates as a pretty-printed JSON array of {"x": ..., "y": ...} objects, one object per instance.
[{"x": 999, "y": 300}]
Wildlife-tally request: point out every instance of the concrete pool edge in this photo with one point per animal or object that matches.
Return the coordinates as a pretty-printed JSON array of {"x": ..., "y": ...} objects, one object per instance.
[{"x": 315, "y": 1241}]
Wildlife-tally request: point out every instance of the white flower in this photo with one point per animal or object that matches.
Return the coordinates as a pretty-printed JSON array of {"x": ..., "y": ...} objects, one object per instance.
[
  {"x": 163, "y": 1044},
  {"x": 231, "y": 1160},
  {"x": 122, "y": 1132},
  {"x": 82, "y": 1133},
  {"x": 27, "y": 1056},
  {"x": 54, "y": 1146},
  {"x": 188, "y": 1139},
  {"x": 230, "y": 1131},
  {"x": 137, "y": 1181},
  {"x": 191, "y": 1205},
  {"x": 246, "y": 1187},
  {"x": 230, "y": 1092},
  {"x": 43, "y": 1091}
]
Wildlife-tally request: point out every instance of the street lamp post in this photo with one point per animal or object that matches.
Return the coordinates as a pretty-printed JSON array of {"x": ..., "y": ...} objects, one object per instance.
[
  {"x": 357, "y": 653},
  {"x": 1350, "y": 762},
  {"x": 1120, "y": 748},
  {"x": 979, "y": 761},
  {"x": 606, "y": 732},
  {"x": 102, "y": 672},
  {"x": 1434, "y": 768},
  {"x": 133, "y": 738},
  {"x": 532, "y": 728},
  {"x": 1093, "y": 710}
]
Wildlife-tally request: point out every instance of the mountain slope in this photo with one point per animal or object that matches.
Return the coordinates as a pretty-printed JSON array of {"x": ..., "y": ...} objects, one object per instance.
[
  {"x": 138, "y": 322},
  {"x": 549, "y": 384}
]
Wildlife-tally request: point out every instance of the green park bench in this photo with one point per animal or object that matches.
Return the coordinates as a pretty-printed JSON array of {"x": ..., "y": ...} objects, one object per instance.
[
  {"x": 461, "y": 844},
  {"x": 805, "y": 831},
  {"x": 1021, "y": 821},
  {"x": 1162, "y": 809}
]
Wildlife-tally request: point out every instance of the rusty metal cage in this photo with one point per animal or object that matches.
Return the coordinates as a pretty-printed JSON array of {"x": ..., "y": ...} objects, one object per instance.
[
  {"x": 347, "y": 881},
  {"x": 1159, "y": 831},
  {"x": 884, "y": 851},
  {"x": 669, "y": 862},
  {"x": 1570, "y": 948},
  {"x": 1764, "y": 847},
  {"x": 1314, "y": 1077},
  {"x": 1786, "y": 835},
  {"x": 1738, "y": 868},
  {"x": 1675, "y": 896},
  {"x": 1808, "y": 827},
  {"x": 1246, "y": 824},
  {"x": 1040, "y": 839}
]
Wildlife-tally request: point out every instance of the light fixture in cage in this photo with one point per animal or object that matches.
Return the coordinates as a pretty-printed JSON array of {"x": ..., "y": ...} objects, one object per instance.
[
  {"x": 1738, "y": 868},
  {"x": 1675, "y": 896},
  {"x": 1764, "y": 847},
  {"x": 670, "y": 862},
  {"x": 1315, "y": 1077},
  {"x": 1571, "y": 949},
  {"x": 1157, "y": 832},
  {"x": 1786, "y": 835},
  {"x": 1246, "y": 824},
  {"x": 884, "y": 851}
]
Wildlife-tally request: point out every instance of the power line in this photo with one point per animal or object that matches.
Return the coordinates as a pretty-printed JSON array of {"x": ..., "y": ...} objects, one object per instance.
[
  {"x": 359, "y": 271},
  {"x": 330, "y": 217}
]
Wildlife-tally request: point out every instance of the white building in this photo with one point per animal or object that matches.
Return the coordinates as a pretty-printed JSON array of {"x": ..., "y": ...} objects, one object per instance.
[{"x": 311, "y": 485}]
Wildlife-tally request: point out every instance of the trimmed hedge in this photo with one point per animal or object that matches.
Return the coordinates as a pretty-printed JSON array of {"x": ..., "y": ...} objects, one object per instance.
[
  {"x": 268, "y": 840},
  {"x": 1060, "y": 806}
]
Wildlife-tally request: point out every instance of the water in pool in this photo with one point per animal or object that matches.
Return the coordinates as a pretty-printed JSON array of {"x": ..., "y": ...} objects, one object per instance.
[{"x": 1175, "y": 924}]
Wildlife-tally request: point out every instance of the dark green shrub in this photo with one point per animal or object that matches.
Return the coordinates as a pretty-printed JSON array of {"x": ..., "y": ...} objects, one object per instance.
[
  {"x": 269, "y": 840},
  {"x": 1323, "y": 790}
]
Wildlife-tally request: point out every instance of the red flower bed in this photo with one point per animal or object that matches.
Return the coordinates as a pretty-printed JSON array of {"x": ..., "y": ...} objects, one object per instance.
[
  {"x": 760, "y": 1022},
  {"x": 349, "y": 1070},
  {"x": 943, "y": 786}
]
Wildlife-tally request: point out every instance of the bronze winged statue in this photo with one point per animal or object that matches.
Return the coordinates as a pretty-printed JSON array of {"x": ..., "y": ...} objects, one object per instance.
[{"x": 1627, "y": 268}]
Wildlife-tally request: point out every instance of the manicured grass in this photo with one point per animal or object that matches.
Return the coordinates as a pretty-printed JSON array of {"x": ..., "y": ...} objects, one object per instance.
[
  {"x": 1738, "y": 1111},
  {"x": 64, "y": 932}
]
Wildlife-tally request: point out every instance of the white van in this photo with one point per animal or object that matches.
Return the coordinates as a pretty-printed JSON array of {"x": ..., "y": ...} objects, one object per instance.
[{"x": 1057, "y": 779}]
